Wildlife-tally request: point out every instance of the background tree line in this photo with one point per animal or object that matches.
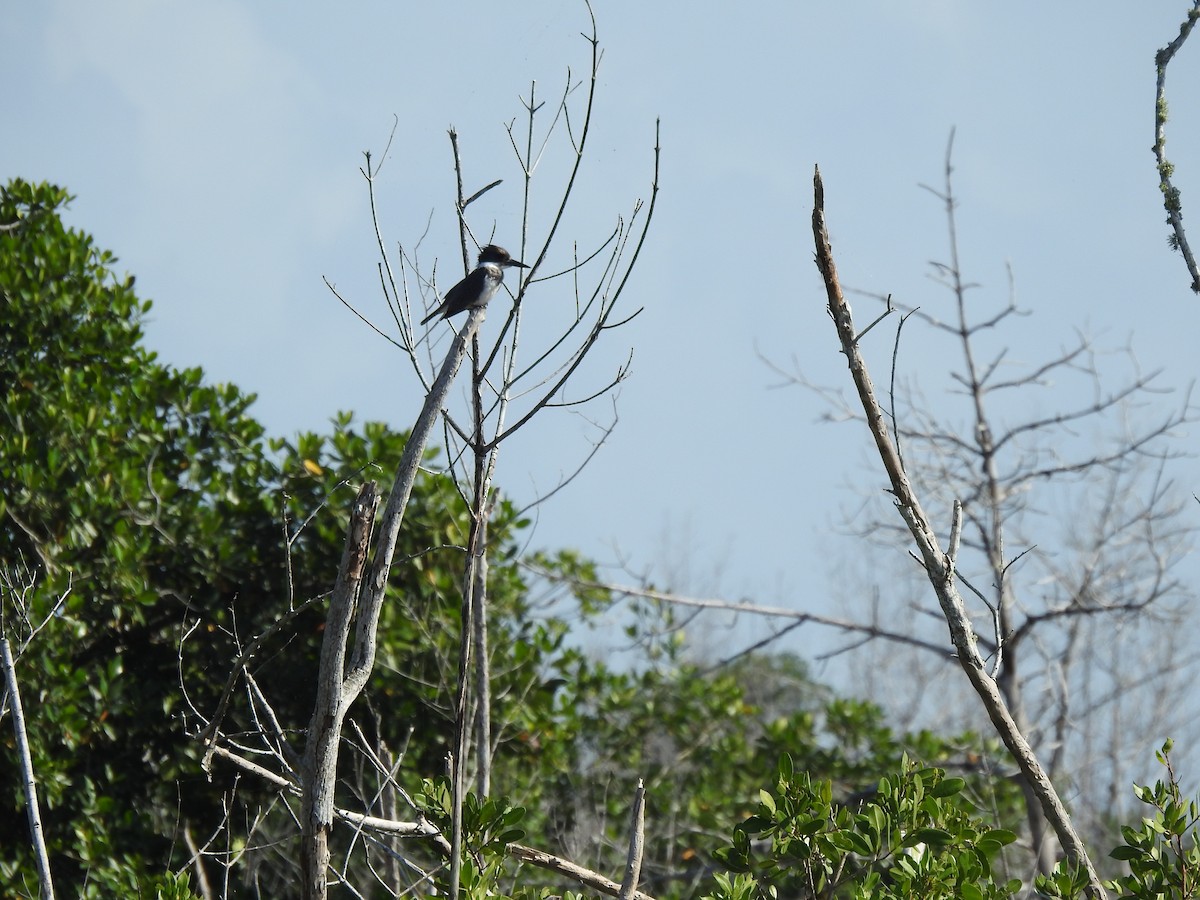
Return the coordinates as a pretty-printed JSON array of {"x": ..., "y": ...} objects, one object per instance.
[
  {"x": 168, "y": 565},
  {"x": 150, "y": 499}
]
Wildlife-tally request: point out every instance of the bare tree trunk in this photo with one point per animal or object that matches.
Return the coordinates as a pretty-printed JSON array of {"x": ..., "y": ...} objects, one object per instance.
[
  {"x": 319, "y": 770},
  {"x": 476, "y": 586},
  {"x": 462, "y": 729},
  {"x": 991, "y": 534},
  {"x": 343, "y": 676},
  {"x": 483, "y": 681},
  {"x": 28, "y": 778}
]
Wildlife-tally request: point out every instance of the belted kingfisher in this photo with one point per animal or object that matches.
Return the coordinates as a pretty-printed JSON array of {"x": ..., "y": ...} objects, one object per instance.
[{"x": 477, "y": 288}]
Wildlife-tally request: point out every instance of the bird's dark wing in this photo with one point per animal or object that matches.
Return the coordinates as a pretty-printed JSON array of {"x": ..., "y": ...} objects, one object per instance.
[
  {"x": 458, "y": 297},
  {"x": 448, "y": 306}
]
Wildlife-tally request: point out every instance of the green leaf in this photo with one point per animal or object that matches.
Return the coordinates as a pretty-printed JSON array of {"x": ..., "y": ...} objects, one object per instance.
[
  {"x": 1126, "y": 852},
  {"x": 935, "y": 837},
  {"x": 767, "y": 800},
  {"x": 786, "y": 767},
  {"x": 948, "y": 787}
]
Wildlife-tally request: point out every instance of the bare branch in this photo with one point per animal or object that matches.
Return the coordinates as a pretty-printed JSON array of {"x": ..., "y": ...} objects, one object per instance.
[
  {"x": 637, "y": 844},
  {"x": 586, "y": 877},
  {"x": 335, "y": 693},
  {"x": 937, "y": 566},
  {"x": 606, "y": 431},
  {"x": 479, "y": 193},
  {"x": 1171, "y": 195},
  {"x": 208, "y": 736},
  {"x": 778, "y": 612},
  {"x": 601, "y": 322}
]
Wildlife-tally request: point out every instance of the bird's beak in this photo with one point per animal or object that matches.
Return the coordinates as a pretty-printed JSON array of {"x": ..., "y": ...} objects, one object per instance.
[{"x": 517, "y": 263}]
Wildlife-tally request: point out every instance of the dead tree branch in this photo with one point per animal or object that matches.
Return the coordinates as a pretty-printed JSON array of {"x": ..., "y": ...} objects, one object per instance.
[
  {"x": 755, "y": 609},
  {"x": 586, "y": 877},
  {"x": 637, "y": 844},
  {"x": 1171, "y": 196},
  {"x": 358, "y": 596},
  {"x": 938, "y": 566}
]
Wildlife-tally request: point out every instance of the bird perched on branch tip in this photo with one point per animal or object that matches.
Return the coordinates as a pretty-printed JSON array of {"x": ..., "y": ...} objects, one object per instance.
[{"x": 478, "y": 287}]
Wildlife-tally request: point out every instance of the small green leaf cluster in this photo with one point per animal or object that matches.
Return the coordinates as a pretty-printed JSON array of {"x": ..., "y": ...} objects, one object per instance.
[
  {"x": 489, "y": 824},
  {"x": 704, "y": 743},
  {"x": 914, "y": 837},
  {"x": 1164, "y": 854}
]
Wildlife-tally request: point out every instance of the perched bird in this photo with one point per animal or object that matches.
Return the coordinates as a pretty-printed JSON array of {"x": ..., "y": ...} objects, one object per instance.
[{"x": 478, "y": 287}]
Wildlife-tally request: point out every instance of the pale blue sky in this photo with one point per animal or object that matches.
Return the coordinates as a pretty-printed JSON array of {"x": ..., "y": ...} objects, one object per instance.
[{"x": 215, "y": 148}]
